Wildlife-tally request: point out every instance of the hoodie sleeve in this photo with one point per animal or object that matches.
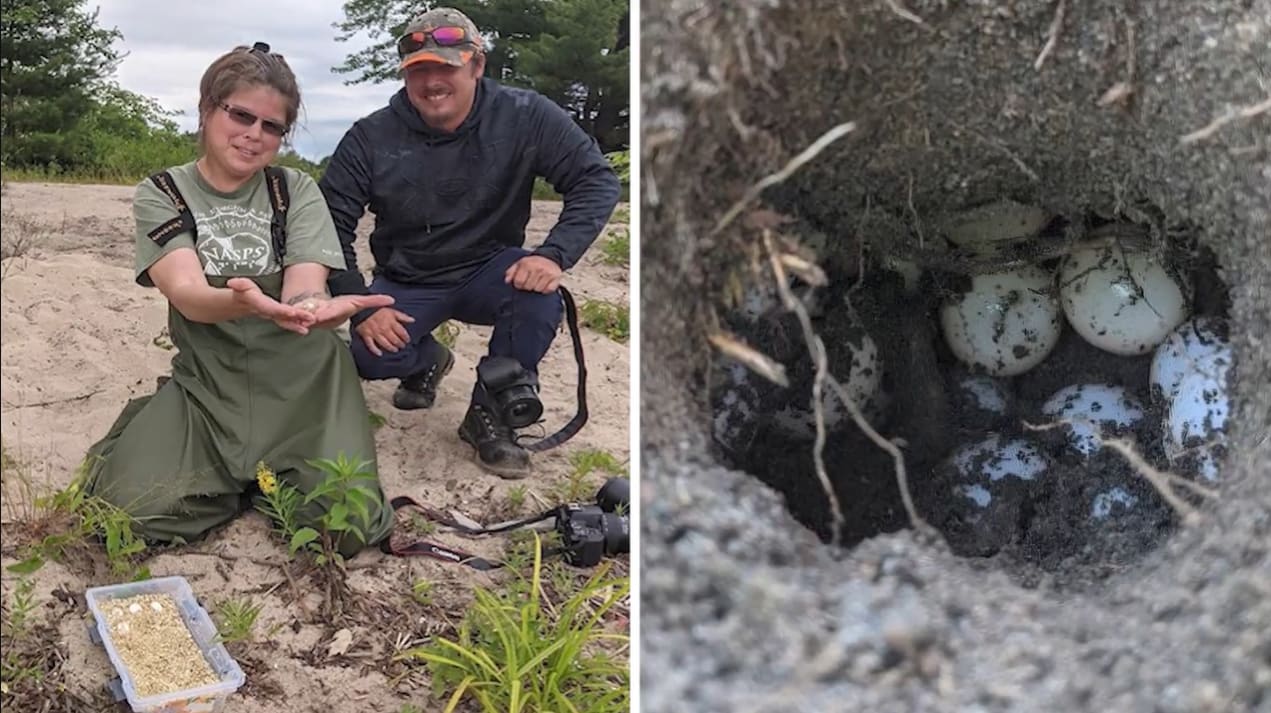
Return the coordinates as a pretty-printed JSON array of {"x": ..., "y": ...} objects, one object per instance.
[
  {"x": 346, "y": 186},
  {"x": 572, "y": 163}
]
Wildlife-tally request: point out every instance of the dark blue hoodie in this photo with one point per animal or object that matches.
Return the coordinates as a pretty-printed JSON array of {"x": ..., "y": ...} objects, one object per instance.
[{"x": 446, "y": 202}]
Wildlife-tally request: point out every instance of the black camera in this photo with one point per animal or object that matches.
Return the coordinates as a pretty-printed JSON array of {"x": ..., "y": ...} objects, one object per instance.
[
  {"x": 589, "y": 534},
  {"x": 512, "y": 391}
]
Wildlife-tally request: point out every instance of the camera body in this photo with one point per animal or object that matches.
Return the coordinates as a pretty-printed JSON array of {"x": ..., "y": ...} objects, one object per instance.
[
  {"x": 588, "y": 533},
  {"x": 511, "y": 390}
]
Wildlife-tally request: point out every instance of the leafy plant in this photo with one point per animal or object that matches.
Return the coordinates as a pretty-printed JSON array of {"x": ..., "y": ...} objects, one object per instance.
[
  {"x": 616, "y": 250},
  {"x": 421, "y": 591},
  {"x": 612, "y": 320},
  {"x": 577, "y": 488},
  {"x": 516, "y": 497},
  {"x": 236, "y": 617},
  {"x": 16, "y": 665},
  {"x": 344, "y": 490},
  {"x": 446, "y": 333},
  {"x": 520, "y": 652},
  {"x": 86, "y": 516}
]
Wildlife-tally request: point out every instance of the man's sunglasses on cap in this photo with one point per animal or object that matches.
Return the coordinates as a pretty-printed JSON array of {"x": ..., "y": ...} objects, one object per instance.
[
  {"x": 246, "y": 118},
  {"x": 448, "y": 36}
]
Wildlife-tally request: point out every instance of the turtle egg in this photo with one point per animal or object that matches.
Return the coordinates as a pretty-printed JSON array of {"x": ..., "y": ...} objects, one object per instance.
[
  {"x": 863, "y": 384},
  {"x": 995, "y": 460},
  {"x": 1090, "y": 406},
  {"x": 1112, "y": 500},
  {"x": 1195, "y": 347},
  {"x": 736, "y": 408},
  {"x": 1006, "y": 324},
  {"x": 983, "y": 393},
  {"x": 1197, "y": 422},
  {"x": 1121, "y": 301}
]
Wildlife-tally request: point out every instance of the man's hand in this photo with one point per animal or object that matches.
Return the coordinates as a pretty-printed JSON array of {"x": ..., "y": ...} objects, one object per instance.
[
  {"x": 288, "y": 317},
  {"x": 333, "y": 311},
  {"x": 534, "y": 273},
  {"x": 384, "y": 330}
]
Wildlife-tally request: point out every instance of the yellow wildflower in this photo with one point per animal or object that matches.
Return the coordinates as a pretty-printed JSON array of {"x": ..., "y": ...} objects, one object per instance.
[{"x": 265, "y": 478}]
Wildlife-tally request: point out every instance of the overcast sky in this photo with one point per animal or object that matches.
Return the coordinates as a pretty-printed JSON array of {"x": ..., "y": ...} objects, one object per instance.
[{"x": 170, "y": 44}]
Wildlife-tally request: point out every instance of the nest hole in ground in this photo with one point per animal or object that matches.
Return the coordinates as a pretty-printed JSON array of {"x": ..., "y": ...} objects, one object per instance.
[
  {"x": 979, "y": 465},
  {"x": 901, "y": 216}
]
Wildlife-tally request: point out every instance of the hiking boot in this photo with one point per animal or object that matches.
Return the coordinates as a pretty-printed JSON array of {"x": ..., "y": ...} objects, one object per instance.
[
  {"x": 495, "y": 443},
  {"x": 419, "y": 390}
]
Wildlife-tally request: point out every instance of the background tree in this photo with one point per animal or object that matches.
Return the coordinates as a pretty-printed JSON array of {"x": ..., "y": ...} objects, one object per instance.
[
  {"x": 574, "y": 51},
  {"x": 53, "y": 59}
]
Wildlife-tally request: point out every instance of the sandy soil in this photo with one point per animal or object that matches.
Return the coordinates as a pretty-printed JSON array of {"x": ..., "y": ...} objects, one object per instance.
[{"x": 80, "y": 338}]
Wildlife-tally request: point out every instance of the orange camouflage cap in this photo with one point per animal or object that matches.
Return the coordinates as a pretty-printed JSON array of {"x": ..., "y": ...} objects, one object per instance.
[{"x": 455, "y": 45}]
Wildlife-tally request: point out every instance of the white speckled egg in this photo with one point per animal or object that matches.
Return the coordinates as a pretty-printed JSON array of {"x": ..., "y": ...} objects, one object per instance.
[
  {"x": 1006, "y": 324},
  {"x": 1195, "y": 347},
  {"x": 985, "y": 228},
  {"x": 995, "y": 460},
  {"x": 1120, "y": 300},
  {"x": 1093, "y": 406},
  {"x": 1197, "y": 423},
  {"x": 1113, "y": 500},
  {"x": 863, "y": 382},
  {"x": 736, "y": 408},
  {"x": 983, "y": 393}
]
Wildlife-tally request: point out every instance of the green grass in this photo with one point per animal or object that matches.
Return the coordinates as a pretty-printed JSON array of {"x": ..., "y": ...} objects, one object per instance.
[
  {"x": 236, "y": 618},
  {"x": 517, "y": 651},
  {"x": 74, "y": 518},
  {"x": 621, "y": 214},
  {"x": 611, "y": 320},
  {"x": 577, "y": 487},
  {"x": 616, "y": 250}
]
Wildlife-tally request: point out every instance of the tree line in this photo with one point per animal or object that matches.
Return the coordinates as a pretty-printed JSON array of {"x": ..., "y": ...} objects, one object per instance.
[{"x": 63, "y": 114}]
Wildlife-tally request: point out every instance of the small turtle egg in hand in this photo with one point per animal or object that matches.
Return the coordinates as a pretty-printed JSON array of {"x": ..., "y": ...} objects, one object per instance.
[
  {"x": 1006, "y": 324},
  {"x": 1121, "y": 300},
  {"x": 1195, "y": 347},
  {"x": 1093, "y": 406}
]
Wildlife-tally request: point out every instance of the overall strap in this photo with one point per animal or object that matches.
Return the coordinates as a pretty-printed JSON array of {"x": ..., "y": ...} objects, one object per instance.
[
  {"x": 280, "y": 200},
  {"x": 184, "y": 222}
]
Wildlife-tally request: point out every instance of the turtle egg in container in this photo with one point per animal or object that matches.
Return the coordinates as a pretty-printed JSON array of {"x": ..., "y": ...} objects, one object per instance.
[
  {"x": 1197, "y": 423},
  {"x": 1093, "y": 406},
  {"x": 1121, "y": 300},
  {"x": 1198, "y": 346},
  {"x": 1006, "y": 324}
]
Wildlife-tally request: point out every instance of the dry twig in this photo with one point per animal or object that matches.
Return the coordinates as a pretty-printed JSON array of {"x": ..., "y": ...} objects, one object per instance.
[
  {"x": 817, "y": 348},
  {"x": 751, "y": 358},
  {"x": 1210, "y": 129},
  {"x": 899, "y": 10},
  {"x": 793, "y": 165},
  {"x": 1052, "y": 36}
]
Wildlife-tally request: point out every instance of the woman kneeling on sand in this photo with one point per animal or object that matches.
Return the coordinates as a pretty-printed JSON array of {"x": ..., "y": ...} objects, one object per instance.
[{"x": 259, "y": 375}]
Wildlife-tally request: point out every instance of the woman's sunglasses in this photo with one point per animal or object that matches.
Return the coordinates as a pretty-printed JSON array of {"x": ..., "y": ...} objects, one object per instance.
[
  {"x": 441, "y": 36},
  {"x": 246, "y": 118}
]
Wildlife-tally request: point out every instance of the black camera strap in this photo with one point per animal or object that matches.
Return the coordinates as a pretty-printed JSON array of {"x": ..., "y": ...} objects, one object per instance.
[
  {"x": 580, "y": 417},
  {"x": 443, "y": 518},
  {"x": 431, "y": 549}
]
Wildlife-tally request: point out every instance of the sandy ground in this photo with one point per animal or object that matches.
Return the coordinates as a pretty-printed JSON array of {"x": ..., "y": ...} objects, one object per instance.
[{"x": 80, "y": 338}]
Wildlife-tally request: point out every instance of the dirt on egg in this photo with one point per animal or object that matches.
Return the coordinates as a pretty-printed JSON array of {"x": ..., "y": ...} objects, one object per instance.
[{"x": 987, "y": 463}]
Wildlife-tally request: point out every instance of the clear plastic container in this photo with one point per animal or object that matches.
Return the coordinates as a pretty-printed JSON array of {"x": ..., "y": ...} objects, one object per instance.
[{"x": 206, "y": 699}]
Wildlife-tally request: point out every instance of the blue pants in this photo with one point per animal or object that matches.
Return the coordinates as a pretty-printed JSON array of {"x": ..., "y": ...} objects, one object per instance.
[{"x": 524, "y": 322}]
